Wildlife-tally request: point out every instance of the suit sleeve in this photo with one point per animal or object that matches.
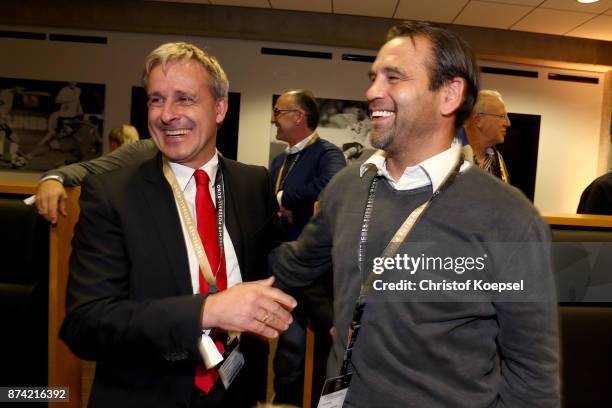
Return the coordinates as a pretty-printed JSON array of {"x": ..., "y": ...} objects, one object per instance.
[
  {"x": 104, "y": 319},
  {"x": 528, "y": 336},
  {"x": 74, "y": 174},
  {"x": 329, "y": 163}
]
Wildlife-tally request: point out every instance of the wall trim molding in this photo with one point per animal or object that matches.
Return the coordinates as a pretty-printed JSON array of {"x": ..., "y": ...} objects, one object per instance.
[{"x": 287, "y": 26}]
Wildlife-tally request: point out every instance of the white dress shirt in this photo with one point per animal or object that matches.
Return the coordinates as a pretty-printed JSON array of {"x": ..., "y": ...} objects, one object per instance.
[
  {"x": 300, "y": 145},
  {"x": 186, "y": 181},
  {"x": 431, "y": 171}
]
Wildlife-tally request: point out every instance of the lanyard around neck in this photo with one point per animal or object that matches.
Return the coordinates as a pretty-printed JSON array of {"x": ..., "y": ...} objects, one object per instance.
[
  {"x": 280, "y": 179},
  {"x": 398, "y": 238},
  {"x": 191, "y": 227}
]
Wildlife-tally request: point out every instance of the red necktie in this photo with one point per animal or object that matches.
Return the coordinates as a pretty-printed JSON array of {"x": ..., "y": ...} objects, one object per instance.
[{"x": 207, "y": 229}]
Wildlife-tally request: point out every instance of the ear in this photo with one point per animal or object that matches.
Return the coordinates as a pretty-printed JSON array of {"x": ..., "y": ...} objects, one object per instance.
[
  {"x": 300, "y": 117},
  {"x": 221, "y": 109},
  {"x": 452, "y": 96},
  {"x": 477, "y": 121}
]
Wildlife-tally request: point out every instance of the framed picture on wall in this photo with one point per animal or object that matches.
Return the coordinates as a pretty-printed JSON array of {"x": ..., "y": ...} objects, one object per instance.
[
  {"x": 346, "y": 124},
  {"x": 342, "y": 122},
  {"x": 46, "y": 124}
]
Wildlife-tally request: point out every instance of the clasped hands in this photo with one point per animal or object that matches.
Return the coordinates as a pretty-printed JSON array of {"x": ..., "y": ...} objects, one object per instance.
[
  {"x": 254, "y": 307},
  {"x": 286, "y": 214}
]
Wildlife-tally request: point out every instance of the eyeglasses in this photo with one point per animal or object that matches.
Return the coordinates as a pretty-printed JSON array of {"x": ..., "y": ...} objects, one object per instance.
[
  {"x": 504, "y": 116},
  {"x": 277, "y": 111}
]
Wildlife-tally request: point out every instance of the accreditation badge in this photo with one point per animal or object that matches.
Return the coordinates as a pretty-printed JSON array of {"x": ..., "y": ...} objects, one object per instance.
[
  {"x": 233, "y": 360},
  {"x": 334, "y": 392}
]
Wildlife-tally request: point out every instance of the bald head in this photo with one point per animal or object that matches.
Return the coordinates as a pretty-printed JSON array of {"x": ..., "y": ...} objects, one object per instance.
[{"x": 296, "y": 115}]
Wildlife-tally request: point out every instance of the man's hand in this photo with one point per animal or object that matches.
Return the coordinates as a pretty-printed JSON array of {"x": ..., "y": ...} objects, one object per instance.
[
  {"x": 284, "y": 213},
  {"x": 51, "y": 198},
  {"x": 333, "y": 333},
  {"x": 254, "y": 307}
]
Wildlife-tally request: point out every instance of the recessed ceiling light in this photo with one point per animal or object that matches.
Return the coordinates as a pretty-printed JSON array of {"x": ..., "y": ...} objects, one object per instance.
[{"x": 587, "y": 1}]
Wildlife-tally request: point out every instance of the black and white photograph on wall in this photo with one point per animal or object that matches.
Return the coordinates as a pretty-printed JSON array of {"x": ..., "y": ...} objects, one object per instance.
[
  {"x": 342, "y": 122},
  {"x": 46, "y": 124}
]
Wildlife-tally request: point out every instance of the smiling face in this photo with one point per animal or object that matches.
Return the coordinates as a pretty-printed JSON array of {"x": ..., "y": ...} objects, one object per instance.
[
  {"x": 401, "y": 104},
  {"x": 183, "y": 114},
  {"x": 286, "y": 119}
]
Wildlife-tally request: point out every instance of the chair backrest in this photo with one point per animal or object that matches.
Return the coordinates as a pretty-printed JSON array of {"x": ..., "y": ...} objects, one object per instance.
[
  {"x": 586, "y": 355},
  {"x": 24, "y": 243},
  {"x": 24, "y": 251},
  {"x": 582, "y": 257}
]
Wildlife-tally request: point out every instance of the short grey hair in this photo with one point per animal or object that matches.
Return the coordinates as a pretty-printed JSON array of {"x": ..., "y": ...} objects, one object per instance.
[
  {"x": 182, "y": 52},
  {"x": 483, "y": 97}
]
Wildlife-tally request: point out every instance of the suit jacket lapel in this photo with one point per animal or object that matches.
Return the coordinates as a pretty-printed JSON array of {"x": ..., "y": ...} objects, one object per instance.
[
  {"x": 232, "y": 215},
  {"x": 164, "y": 217}
]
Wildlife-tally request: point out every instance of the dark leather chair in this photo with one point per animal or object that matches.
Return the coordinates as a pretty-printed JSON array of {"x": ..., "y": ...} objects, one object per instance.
[
  {"x": 24, "y": 254},
  {"x": 585, "y": 326}
]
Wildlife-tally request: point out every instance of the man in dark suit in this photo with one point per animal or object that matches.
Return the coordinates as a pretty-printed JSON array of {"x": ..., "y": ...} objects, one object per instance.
[
  {"x": 597, "y": 197},
  {"x": 308, "y": 163},
  {"x": 300, "y": 174},
  {"x": 150, "y": 295}
]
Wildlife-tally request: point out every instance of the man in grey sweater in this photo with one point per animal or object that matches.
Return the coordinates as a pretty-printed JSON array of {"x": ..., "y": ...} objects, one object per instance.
[{"x": 415, "y": 344}]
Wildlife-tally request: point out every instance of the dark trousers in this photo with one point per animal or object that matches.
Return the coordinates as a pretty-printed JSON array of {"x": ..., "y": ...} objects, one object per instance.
[
  {"x": 314, "y": 304},
  {"x": 219, "y": 397},
  {"x": 245, "y": 391},
  {"x": 289, "y": 362}
]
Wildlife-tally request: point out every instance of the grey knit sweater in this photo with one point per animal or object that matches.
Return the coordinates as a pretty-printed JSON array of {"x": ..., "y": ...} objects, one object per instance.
[{"x": 411, "y": 353}]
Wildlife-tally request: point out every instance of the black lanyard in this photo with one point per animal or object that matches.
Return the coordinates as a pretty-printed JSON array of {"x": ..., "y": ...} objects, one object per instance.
[
  {"x": 220, "y": 201},
  {"x": 388, "y": 252}
]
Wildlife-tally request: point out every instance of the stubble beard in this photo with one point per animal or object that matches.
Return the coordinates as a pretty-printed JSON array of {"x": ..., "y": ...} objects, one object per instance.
[{"x": 382, "y": 139}]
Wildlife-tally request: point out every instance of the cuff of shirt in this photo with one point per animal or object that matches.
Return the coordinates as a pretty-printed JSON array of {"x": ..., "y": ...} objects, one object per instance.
[
  {"x": 279, "y": 198},
  {"x": 55, "y": 177},
  {"x": 209, "y": 352}
]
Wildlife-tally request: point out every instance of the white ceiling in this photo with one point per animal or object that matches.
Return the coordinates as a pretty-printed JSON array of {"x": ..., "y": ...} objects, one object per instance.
[{"x": 558, "y": 17}]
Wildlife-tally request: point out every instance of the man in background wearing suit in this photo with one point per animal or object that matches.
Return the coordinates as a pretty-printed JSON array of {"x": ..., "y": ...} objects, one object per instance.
[
  {"x": 308, "y": 163},
  {"x": 300, "y": 174},
  {"x": 138, "y": 303}
]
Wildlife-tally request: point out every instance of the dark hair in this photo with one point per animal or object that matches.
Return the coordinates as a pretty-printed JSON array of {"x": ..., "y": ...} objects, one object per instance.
[
  {"x": 305, "y": 100},
  {"x": 451, "y": 57}
]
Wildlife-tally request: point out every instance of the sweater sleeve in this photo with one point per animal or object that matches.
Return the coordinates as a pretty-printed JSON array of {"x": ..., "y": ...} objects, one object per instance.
[
  {"x": 74, "y": 174},
  {"x": 528, "y": 330},
  {"x": 299, "y": 263}
]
